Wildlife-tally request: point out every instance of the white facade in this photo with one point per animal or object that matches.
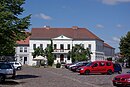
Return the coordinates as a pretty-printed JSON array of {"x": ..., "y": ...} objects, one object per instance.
[
  {"x": 22, "y": 54},
  {"x": 61, "y": 53}
]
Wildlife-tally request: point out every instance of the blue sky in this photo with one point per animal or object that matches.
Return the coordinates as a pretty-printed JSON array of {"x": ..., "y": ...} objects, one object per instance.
[{"x": 108, "y": 19}]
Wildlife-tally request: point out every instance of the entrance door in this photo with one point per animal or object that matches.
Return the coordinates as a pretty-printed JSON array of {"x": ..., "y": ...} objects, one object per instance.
[
  {"x": 25, "y": 60},
  {"x": 61, "y": 58}
]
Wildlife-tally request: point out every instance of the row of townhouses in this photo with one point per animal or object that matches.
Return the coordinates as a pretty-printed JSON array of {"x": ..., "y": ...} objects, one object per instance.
[{"x": 63, "y": 39}]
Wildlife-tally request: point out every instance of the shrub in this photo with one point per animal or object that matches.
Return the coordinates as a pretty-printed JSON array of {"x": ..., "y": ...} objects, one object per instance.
[{"x": 58, "y": 65}]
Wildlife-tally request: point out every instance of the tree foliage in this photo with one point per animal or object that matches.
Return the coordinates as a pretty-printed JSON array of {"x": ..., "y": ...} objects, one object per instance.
[
  {"x": 125, "y": 46},
  {"x": 49, "y": 54},
  {"x": 12, "y": 26},
  {"x": 38, "y": 52},
  {"x": 78, "y": 53}
]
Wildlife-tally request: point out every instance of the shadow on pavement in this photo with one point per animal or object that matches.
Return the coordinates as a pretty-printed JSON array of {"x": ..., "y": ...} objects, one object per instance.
[
  {"x": 26, "y": 76},
  {"x": 9, "y": 83}
]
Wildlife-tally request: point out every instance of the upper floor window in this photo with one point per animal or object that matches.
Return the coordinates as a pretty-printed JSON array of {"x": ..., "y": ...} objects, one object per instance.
[
  {"x": 89, "y": 46},
  {"x": 68, "y": 47},
  {"x": 61, "y": 46},
  {"x": 55, "y": 46},
  {"x": 34, "y": 46},
  {"x": 41, "y": 46},
  {"x": 82, "y": 45},
  {"x": 21, "y": 49},
  {"x": 25, "y": 49},
  {"x": 48, "y": 45}
]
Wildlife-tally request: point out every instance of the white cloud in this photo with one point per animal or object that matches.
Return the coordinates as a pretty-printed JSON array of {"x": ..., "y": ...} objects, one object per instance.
[
  {"x": 119, "y": 26},
  {"x": 116, "y": 39},
  {"x": 113, "y": 2},
  {"x": 43, "y": 16},
  {"x": 99, "y": 26}
]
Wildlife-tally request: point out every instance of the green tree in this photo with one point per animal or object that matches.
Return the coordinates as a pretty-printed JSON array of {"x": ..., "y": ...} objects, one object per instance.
[
  {"x": 125, "y": 46},
  {"x": 78, "y": 53},
  {"x": 38, "y": 52},
  {"x": 12, "y": 25},
  {"x": 49, "y": 54}
]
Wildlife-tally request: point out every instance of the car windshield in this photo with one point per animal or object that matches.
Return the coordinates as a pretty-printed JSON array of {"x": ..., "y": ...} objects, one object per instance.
[
  {"x": 128, "y": 72},
  {"x": 89, "y": 64}
]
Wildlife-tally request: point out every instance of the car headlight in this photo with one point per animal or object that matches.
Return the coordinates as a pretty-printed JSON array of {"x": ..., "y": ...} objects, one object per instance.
[{"x": 82, "y": 68}]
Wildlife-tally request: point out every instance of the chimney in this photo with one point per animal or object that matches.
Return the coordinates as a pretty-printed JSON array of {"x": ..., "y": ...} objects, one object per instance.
[
  {"x": 74, "y": 27},
  {"x": 47, "y": 27}
]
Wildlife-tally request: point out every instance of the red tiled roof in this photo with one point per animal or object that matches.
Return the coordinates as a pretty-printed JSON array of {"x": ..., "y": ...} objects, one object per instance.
[
  {"x": 48, "y": 33},
  {"x": 24, "y": 42},
  {"x": 107, "y": 45}
]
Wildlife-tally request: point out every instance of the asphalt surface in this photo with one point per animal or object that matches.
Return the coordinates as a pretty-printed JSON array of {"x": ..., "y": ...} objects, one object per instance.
[{"x": 57, "y": 77}]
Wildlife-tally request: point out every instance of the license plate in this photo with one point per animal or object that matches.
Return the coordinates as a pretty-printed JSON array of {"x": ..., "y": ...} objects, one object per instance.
[{"x": 118, "y": 83}]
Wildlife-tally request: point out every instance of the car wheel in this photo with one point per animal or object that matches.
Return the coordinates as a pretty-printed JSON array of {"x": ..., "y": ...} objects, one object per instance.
[
  {"x": 87, "y": 72},
  {"x": 109, "y": 72},
  {"x": 119, "y": 72},
  {"x": 2, "y": 78}
]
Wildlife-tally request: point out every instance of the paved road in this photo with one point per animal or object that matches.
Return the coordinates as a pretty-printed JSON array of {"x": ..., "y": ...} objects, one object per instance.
[{"x": 52, "y": 77}]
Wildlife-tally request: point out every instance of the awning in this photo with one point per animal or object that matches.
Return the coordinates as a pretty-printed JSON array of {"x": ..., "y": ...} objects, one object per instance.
[{"x": 39, "y": 58}]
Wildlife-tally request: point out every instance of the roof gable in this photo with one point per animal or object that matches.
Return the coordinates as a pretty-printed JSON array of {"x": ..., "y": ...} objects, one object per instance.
[{"x": 62, "y": 37}]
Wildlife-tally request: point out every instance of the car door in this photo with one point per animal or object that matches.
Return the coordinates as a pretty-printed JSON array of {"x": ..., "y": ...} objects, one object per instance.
[
  {"x": 102, "y": 67},
  {"x": 95, "y": 68}
]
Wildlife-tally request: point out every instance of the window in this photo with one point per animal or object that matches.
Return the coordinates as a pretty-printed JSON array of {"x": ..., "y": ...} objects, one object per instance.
[
  {"x": 21, "y": 49},
  {"x": 95, "y": 65},
  {"x": 82, "y": 45},
  {"x": 55, "y": 46},
  {"x": 48, "y": 45},
  {"x": 68, "y": 47},
  {"x": 54, "y": 57},
  {"x": 68, "y": 57},
  {"x": 41, "y": 46},
  {"x": 102, "y": 64},
  {"x": 89, "y": 46},
  {"x": 34, "y": 46},
  {"x": 25, "y": 49},
  {"x": 108, "y": 64},
  {"x": 5, "y": 66},
  {"x": 21, "y": 58},
  {"x": 61, "y": 46}
]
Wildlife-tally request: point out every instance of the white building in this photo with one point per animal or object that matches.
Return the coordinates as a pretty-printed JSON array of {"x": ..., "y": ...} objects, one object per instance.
[
  {"x": 22, "y": 51},
  {"x": 63, "y": 39}
]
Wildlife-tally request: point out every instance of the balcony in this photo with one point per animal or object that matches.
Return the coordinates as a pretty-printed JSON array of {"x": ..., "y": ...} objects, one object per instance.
[{"x": 60, "y": 51}]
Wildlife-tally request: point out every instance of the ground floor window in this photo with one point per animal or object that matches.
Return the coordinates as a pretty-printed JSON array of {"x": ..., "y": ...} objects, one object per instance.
[{"x": 68, "y": 57}]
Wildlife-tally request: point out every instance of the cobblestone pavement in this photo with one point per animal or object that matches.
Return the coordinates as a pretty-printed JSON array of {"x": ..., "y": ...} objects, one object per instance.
[{"x": 52, "y": 77}]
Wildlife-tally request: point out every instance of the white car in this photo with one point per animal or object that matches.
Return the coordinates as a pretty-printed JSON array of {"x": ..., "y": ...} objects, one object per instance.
[{"x": 17, "y": 65}]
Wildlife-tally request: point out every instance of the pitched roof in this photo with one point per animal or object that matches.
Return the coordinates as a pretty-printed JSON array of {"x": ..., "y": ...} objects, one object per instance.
[
  {"x": 24, "y": 42},
  {"x": 107, "y": 45},
  {"x": 75, "y": 33}
]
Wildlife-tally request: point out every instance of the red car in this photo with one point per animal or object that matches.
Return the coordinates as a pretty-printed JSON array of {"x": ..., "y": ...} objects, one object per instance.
[
  {"x": 103, "y": 67},
  {"x": 122, "y": 80}
]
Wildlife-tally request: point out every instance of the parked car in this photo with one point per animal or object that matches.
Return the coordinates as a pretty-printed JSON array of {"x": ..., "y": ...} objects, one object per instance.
[
  {"x": 74, "y": 68},
  {"x": 103, "y": 67},
  {"x": 76, "y": 63},
  {"x": 117, "y": 68},
  {"x": 67, "y": 65},
  {"x": 7, "y": 71},
  {"x": 17, "y": 65},
  {"x": 122, "y": 80}
]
